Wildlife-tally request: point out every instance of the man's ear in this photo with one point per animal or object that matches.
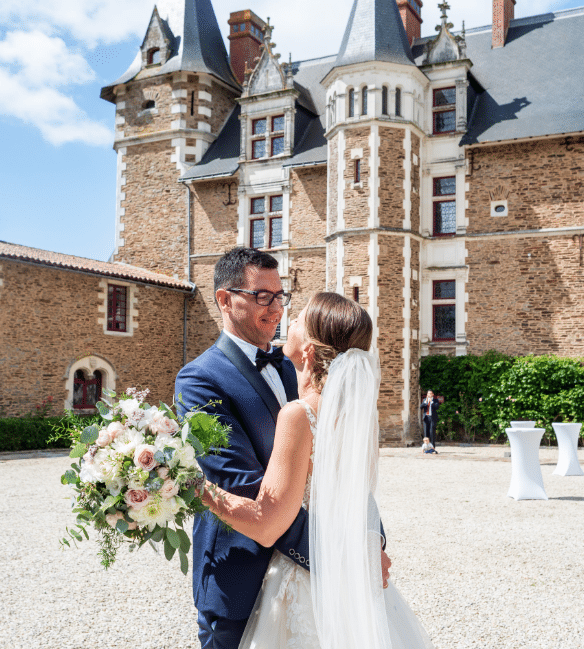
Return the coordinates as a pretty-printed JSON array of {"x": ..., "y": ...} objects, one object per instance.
[{"x": 223, "y": 298}]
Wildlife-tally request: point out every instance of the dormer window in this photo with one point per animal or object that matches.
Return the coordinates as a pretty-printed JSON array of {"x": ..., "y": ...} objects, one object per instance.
[
  {"x": 444, "y": 110},
  {"x": 267, "y": 137},
  {"x": 154, "y": 56}
]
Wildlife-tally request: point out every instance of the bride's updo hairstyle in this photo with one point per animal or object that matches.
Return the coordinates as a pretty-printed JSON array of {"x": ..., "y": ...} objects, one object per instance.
[{"x": 334, "y": 325}]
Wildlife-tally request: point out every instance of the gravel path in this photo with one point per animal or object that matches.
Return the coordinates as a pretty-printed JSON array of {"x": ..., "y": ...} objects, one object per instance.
[{"x": 480, "y": 569}]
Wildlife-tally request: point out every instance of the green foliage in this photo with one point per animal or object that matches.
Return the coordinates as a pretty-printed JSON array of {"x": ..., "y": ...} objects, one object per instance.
[
  {"x": 483, "y": 394},
  {"x": 29, "y": 433}
]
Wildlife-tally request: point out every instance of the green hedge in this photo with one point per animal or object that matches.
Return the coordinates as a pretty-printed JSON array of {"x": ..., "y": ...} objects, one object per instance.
[
  {"x": 484, "y": 393},
  {"x": 29, "y": 433}
]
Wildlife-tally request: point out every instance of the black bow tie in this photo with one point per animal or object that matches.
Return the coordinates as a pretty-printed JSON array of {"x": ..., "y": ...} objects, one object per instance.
[{"x": 275, "y": 357}]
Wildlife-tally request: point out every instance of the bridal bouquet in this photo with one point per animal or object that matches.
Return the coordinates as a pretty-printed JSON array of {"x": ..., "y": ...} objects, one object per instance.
[{"x": 137, "y": 478}]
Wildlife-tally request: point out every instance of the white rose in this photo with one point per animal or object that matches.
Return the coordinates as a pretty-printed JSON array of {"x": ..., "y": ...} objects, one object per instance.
[
  {"x": 126, "y": 442},
  {"x": 186, "y": 457},
  {"x": 168, "y": 489},
  {"x": 146, "y": 418},
  {"x": 104, "y": 438},
  {"x": 163, "y": 425},
  {"x": 129, "y": 406},
  {"x": 116, "y": 428}
]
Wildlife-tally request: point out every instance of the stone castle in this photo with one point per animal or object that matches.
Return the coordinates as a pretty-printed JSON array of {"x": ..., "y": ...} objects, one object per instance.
[{"x": 437, "y": 181}]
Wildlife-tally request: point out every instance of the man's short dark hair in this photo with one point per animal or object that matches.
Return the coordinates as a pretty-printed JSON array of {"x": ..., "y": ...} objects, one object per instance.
[{"x": 230, "y": 269}]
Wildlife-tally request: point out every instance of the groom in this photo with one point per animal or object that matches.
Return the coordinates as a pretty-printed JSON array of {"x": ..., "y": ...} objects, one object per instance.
[{"x": 228, "y": 568}]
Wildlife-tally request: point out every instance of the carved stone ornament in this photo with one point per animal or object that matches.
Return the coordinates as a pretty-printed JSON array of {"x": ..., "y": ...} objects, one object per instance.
[
  {"x": 268, "y": 75},
  {"x": 445, "y": 47}
]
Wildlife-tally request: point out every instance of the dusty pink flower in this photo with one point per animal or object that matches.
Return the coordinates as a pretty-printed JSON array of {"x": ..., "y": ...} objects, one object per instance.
[
  {"x": 168, "y": 489},
  {"x": 112, "y": 520},
  {"x": 137, "y": 498},
  {"x": 161, "y": 424},
  {"x": 162, "y": 472},
  {"x": 104, "y": 438},
  {"x": 115, "y": 428},
  {"x": 144, "y": 457}
]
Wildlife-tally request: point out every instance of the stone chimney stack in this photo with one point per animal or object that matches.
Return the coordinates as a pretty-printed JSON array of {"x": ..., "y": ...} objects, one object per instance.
[
  {"x": 411, "y": 15},
  {"x": 503, "y": 14},
  {"x": 245, "y": 40}
]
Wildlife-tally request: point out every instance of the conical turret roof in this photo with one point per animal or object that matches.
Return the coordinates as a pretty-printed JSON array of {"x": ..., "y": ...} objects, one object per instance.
[
  {"x": 197, "y": 44},
  {"x": 375, "y": 32}
]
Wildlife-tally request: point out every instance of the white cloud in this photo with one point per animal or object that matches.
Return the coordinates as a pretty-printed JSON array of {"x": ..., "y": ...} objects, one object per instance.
[
  {"x": 57, "y": 116},
  {"x": 42, "y": 60}
]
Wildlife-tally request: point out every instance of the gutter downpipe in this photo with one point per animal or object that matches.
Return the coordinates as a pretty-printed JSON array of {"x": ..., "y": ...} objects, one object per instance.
[{"x": 193, "y": 286}]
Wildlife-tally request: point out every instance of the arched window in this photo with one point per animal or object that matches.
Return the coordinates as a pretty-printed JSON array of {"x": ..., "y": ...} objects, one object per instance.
[
  {"x": 384, "y": 100},
  {"x": 86, "y": 389},
  {"x": 364, "y": 101},
  {"x": 398, "y": 102},
  {"x": 154, "y": 56},
  {"x": 351, "y": 103}
]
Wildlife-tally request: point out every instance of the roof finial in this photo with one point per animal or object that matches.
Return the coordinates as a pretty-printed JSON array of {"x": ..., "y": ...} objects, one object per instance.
[{"x": 444, "y": 7}]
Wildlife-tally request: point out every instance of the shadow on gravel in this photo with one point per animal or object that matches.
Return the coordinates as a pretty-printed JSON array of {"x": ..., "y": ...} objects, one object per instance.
[{"x": 581, "y": 498}]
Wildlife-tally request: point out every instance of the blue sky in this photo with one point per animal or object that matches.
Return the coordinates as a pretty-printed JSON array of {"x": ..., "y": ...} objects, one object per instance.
[{"x": 58, "y": 168}]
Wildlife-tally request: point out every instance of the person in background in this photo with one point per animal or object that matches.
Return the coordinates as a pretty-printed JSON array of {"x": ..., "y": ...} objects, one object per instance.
[{"x": 429, "y": 409}]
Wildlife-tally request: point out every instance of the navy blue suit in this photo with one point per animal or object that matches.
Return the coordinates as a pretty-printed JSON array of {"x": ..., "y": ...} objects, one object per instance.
[{"x": 228, "y": 568}]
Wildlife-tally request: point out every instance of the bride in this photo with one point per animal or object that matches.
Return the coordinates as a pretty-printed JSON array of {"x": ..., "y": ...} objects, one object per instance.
[{"x": 325, "y": 459}]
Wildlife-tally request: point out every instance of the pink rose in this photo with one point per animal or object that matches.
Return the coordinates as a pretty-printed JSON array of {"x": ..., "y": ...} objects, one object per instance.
[
  {"x": 112, "y": 520},
  {"x": 137, "y": 498},
  {"x": 104, "y": 438},
  {"x": 161, "y": 424},
  {"x": 162, "y": 472},
  {"x": 115, "y": 428},
  {"x": 144, "y": 457},
  {"x": 168, "y": 489}
]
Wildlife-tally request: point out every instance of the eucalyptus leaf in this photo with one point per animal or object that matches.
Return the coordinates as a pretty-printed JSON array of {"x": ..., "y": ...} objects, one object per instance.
[
  {"x": 169, "y": 550},
  {"x": 194, "y": 442},
  {"x": 184, "y": 562},
  {"x": 189, "y": 495},
  {"x": 78, "y": 451},
  {"x": 89, "y": 435},
  {"x": 158, "y": 534},
  {"x": 69, "y": 477},
  {"x": 107, "y": 503},
  {"x": 122, "y": 526},
  {"x": 173, "y": 538},
  {"x": 185, "y": 542},
  {"x": 159, "y": 457},
  {"x": 103, "y": 409}
]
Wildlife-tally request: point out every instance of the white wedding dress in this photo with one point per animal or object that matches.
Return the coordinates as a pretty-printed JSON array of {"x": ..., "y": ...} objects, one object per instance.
[{"x": 283, "y": 614}]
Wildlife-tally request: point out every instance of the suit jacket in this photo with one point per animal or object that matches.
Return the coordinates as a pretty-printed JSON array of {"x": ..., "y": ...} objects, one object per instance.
[
  {"x": 228, "y": 568},
  {"x": 433, "y": 408}
]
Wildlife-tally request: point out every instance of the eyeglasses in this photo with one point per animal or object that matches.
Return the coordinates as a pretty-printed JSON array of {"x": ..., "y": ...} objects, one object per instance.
[{"x": 265, "y": 298}]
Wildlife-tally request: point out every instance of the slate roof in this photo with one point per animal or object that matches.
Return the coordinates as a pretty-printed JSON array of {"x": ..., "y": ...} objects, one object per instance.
[
  {"x": 15, "y": 252},
  {"x": 375, "y": 32},
  {"x": 198, "y": 45},
  {"x": 533, "y": 86}
]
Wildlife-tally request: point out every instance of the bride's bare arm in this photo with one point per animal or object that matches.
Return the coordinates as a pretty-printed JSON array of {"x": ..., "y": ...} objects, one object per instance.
[{"x": 267, "y": 517}]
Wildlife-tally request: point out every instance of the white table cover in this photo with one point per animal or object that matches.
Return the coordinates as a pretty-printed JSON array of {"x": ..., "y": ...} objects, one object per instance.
[
  {"x": 567, "y": 436},
  {"x": 526, "y": 477}
]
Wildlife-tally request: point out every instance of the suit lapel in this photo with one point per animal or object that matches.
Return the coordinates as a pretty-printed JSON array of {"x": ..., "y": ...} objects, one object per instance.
[
  {"x": 249, "y": 371},
  {"x": 289, "y": 380}
]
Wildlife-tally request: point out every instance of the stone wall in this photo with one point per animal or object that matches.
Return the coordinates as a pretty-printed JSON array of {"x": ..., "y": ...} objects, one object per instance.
[
  {"x": 391, "y": 177},
  {"x": 357, "y": 195},
  {"x": 308, "y": 206},
  {"x": 50, "y": 321}
]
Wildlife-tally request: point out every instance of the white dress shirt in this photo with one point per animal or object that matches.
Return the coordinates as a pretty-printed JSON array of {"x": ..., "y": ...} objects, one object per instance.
[{"x": 269, "y": 372}]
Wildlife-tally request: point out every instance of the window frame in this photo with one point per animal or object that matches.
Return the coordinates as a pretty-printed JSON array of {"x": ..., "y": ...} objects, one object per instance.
[
  {"x": 364, "y": 100},
  {"x": 438, "y": 302},
  {"x": 267, "y": 216},
  {"x": 384, "y": 100},
  {"x": 351, "y": 103},
  {"x": 398, "y": 102},
  {"x": 93, "y": 380},
  {"x": 151, "y": 54},
  {"x": 441, "y": 109},
  {"x": 112, "y": 306},
  {"x": 442, "y": 198},
  {"x": 269, "y": 136}
]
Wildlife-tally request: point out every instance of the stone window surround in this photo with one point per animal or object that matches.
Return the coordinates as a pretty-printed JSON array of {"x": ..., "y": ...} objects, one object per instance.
[
  {"x": 267, "y": 216},
  {"x": 443, "y": 109},
  {"x": 89, "y": 364},
  {"x": 131, "y": 306},
  {"x": 441, "y": 199},
  {"x": 449, "y": 301},
  {"x": 374, "y": 103}
]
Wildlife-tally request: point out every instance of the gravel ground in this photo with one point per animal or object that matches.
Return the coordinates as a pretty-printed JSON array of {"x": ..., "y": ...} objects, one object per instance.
[{"x": 480, "y": 569}]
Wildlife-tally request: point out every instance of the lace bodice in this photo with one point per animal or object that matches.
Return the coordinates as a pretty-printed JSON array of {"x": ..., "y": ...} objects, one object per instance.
[{"x": 312, "y": 421}]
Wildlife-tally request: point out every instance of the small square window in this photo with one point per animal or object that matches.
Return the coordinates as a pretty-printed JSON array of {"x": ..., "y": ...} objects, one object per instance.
[
  {"x": 445, "y": 290},
  {"x": 445, "y": 186},
  {"x": 277, "y": 145},
  {"x": 258, "y": 205},
  {"x": 278, "y": 123},
  {"x": 116, "y": 308},
  {"x": 257, "y": 229},
  {"x": 276, "y": 203},
  {"x": 259, "y": 126},
  {"x": 276, "y": 231},
  {"x": 258, "y": 149},
  {"x": 445, "y": 96}
]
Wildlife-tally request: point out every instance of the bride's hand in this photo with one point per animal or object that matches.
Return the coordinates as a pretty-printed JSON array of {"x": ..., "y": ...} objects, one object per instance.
[{"x": 385, "y": 566}]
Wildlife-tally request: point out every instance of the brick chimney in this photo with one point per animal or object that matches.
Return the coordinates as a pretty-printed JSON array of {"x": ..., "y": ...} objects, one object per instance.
[
  {"x": 503, "y": 14},
  {"x": 411, "y": 15},
  {"x": 245, "y": 39}
]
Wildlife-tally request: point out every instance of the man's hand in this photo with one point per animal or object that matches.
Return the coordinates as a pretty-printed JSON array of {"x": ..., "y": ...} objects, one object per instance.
[{"x": 385, "y": 566}]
